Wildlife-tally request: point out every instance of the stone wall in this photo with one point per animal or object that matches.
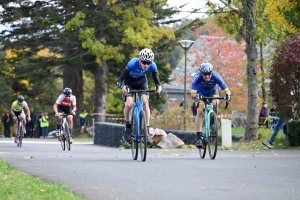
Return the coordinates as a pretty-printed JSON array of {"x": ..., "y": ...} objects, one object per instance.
[{"x": 110, "y": 134}]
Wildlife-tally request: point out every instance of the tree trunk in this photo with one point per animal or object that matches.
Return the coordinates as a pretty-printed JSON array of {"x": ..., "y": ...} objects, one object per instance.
[
  {"x": 72, "y": 78},
  {"x": 263, "y": 90},
  {"x": 251, "y": 52},
  {"x": 101, "y": 91}
]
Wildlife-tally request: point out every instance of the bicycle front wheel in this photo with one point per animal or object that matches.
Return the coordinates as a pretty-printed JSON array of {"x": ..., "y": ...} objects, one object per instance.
[
  {"x": 62, "y": 140},
  {"x": 133, "y": 141},
  {"x": 143, "y": 136},
  {"x": 21, "y": 133},
  {"x": 202, "y": 151},
  {"x": 213, "y": 136},
  {"x": 67, "y": 136}
]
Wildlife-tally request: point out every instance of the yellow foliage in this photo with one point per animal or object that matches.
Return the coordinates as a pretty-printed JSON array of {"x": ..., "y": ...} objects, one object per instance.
[
  {"x": 276, "y": 16},
  {"x": 46, "y": 53}
]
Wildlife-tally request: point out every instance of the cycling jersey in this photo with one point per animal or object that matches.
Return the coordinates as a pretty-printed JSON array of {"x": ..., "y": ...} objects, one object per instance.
[
  {"x": 17, "y": 107},
  {"x": 63, "y": 101},
  {"x": 136, "y": 71},
  {"x": 199, "y": 85}
]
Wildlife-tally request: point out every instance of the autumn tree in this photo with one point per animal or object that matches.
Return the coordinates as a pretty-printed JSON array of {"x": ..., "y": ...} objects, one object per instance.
[{"x": 285, "y": 77}]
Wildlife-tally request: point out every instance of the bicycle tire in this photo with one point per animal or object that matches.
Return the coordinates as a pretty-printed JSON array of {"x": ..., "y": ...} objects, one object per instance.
[
  {"x": 133, "y": 141},
  {"x": 62, "y": 139},
  {"x": 213, "y": 136},
  {"x": 202, "y": 151},
  {"x": 143, "y": 136},
  {"x": 21, "y": 136},
  {"x": 67, "y": 136}
]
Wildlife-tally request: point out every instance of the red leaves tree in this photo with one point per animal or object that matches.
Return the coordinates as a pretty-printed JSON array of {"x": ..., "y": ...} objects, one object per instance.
[{"x": 285, "y": 77}]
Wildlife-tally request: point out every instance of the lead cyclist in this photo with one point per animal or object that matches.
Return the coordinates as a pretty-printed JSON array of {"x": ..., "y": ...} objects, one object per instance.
[
  {"x": 134, "y": 76},
  {"x": 205, "y": 83}
]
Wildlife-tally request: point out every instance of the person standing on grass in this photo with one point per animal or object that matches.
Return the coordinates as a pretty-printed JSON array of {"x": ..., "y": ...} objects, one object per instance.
[{"x": 82, "y": 117}]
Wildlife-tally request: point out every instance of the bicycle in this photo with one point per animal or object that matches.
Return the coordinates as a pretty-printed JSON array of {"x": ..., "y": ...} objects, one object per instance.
[
  {"x": 64, "y": 133},
  {"x": 211, "y": 128},
  {"x": 20, "y": 133},
  {"x": 139, "y": 126}
]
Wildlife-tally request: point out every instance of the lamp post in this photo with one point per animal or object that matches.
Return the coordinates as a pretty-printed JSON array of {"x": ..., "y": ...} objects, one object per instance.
[{"x": 185, "y": 44}]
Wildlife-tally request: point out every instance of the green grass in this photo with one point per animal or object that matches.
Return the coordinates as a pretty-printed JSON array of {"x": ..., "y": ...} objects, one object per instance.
[{"x": 16, "y": 184}]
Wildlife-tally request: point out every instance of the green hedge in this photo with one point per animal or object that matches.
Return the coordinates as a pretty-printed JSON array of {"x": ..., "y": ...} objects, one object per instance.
[{"x": 294, "y": 133}]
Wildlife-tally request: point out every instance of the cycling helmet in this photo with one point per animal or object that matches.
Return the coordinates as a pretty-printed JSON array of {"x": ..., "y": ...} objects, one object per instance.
[
  {"x": 146, "y": 55},
  {"x": 67, "y": 91},
  {"x": 21, "y": 98},
  {"x": 206, "y": 67}
]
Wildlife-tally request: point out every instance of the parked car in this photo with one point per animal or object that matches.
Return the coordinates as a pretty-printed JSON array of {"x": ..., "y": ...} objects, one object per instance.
[{"x": 52, "y": 134}]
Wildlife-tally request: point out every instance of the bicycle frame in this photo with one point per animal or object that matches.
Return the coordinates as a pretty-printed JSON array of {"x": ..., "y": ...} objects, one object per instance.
[
  {"x": 139, "y": 129},
  {"x": 20, "y": 133},
  {"x": 64, "y": 132}
]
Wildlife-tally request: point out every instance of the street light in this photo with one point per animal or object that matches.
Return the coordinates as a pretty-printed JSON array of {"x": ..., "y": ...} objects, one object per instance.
[{"x": 185, "y": 44}]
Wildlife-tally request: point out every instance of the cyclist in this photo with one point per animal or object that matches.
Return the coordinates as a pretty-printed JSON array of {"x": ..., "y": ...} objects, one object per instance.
[
  {"x": 17, "y": 109},
  {"x": 206, "y": 83},
  {"x": 63, "y": 104},
  {"x": 134, "y": 76}
]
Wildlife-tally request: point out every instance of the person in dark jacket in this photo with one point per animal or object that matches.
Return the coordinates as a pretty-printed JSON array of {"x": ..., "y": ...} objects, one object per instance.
[
  {"x": 31, "y": 125},
  {"x": 7, "y": 122}
]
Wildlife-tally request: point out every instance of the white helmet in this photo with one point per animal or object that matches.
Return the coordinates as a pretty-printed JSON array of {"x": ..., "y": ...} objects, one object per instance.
[
  {"x": 146, "y": 55},
  {"x": 205, "y": 67}
]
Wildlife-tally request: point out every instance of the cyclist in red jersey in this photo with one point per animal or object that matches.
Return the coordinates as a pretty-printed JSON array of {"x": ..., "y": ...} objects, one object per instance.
[{"x": 63, "y": 104}]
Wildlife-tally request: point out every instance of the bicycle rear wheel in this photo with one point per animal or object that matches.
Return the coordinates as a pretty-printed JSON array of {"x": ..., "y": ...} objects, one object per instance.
[
  {"x": 67, "y": 136},
  {"x": 213, "y": 136},
  {"x": 143, "y": 136},
  {"x": 133, "y": 141}
]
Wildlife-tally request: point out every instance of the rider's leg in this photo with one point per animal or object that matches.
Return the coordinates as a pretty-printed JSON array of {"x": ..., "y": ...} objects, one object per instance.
[
  {"x": 146, "y": 108},
  {"x": 199, "y": 124},
  {"x": 70, "y": 122},
  {"x": 128, "y": 108}
]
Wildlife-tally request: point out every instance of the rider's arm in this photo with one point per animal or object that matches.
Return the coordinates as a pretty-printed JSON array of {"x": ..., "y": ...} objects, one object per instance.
[
  {"x": 156, "y": 78},
  {"x": 74, "y": 108},
  {"x": 227, "y": 91},
  {"x": 55, "y": 108},
  {"x": 122, "y": 77},
  {"x": 27, "y": 111},
  {"x": 12, "y": 112}
]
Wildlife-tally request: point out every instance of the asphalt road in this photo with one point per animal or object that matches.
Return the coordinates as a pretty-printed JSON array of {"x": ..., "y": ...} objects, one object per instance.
[{"x": 97, "y": 172}]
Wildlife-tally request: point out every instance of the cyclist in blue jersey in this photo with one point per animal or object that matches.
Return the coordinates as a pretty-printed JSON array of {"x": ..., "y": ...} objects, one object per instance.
[
  {"x": 205, "y": 83},
  {"x": 134, "y": 77}
]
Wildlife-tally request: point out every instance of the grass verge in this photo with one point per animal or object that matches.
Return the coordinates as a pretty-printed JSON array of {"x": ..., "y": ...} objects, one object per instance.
[{"x": 16, "y": 184}]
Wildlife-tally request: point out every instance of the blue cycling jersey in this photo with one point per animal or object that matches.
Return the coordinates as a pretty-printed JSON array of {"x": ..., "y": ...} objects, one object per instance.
[
  {"x": 199, "y": 85},
  {"x": 136, "y": 71}
]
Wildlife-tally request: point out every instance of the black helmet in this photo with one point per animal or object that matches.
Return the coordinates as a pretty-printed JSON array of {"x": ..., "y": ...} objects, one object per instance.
[
  {"x": 67, "y": 91},
  {"x": 21, "y": 98}
]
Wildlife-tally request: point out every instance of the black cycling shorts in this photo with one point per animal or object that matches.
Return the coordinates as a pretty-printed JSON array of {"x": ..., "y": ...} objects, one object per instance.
[
  {"x": 64, "y": 109},
  {"x": 136, "y": 84}
]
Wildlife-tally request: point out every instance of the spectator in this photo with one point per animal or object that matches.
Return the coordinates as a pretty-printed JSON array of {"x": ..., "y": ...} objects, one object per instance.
[
  {"x": 281, "y": 124},
  {"x": 273, "y": 109},
  {"x": 7, "y": 122},
  {"x": 263, "y": 114},
  {"x": 31, "y": 126},
  {"x": 82, "y": 117},
  {"x": 45, "y": 124},
  {"x": 39, "y": 133}
]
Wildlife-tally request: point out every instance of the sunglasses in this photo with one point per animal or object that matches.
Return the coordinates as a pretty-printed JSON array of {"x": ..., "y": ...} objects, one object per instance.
[
  {"x": 206, "y": 74},
  {"x": 146, "y": 62}
]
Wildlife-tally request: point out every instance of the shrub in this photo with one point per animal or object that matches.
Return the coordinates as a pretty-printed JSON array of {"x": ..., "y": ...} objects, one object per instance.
[{"x": 294, "y": 133}]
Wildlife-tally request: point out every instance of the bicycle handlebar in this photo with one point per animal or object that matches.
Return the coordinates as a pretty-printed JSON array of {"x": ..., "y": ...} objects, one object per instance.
[
  {"x": 138, "y": 91},
  {"x": 212, "y": 98}
]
